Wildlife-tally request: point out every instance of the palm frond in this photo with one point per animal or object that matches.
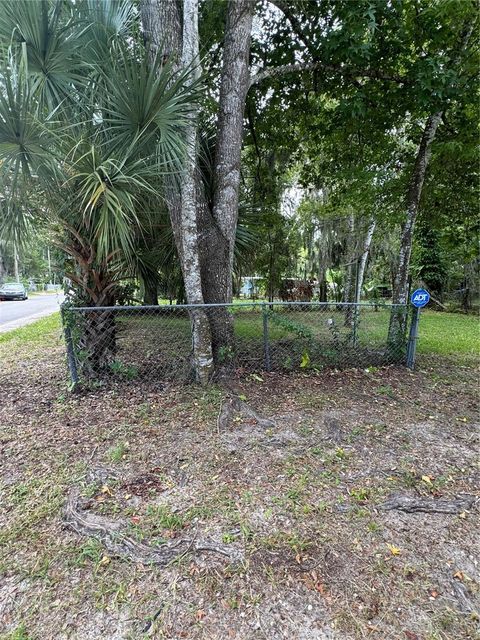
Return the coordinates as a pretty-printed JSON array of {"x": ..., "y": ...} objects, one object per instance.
[
  {"x": 24, "y": 143},
  {"x": 149, "y": 103},
  {"x": 45, "y": 34}
]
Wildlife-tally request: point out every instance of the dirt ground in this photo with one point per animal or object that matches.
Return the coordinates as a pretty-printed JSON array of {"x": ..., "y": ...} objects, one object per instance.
[{"x": 294, "y": 507}]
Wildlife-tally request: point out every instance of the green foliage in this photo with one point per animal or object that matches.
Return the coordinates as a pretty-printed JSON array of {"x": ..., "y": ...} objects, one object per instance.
[
  {"x": 290, "y": 325},
  {"x": 87, "y": 130},
  {"x": 20, "y": 633},
  {"x": 122, "y": 370},
  {"x": 118, "y": 452},
  {"x": 88, "y": 127},
  {"x": 353, "y": 135},
  {"x": 430, "y": 261},
  {"x": 163, "y": 517}
]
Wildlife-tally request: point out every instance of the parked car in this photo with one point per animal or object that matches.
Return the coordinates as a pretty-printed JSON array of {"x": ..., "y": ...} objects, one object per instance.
[{"x": 13, "y": 291}]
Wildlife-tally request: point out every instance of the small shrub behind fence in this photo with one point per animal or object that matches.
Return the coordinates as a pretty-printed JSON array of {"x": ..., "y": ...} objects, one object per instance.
[{"x": 156, "y": 343}]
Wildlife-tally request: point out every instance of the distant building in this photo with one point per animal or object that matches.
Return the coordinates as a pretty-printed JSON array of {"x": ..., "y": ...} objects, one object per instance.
[{"x": 250, "y": 286}]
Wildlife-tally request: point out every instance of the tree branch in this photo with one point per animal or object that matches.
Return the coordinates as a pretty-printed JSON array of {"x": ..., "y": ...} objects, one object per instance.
[
  {"x": 281, "y": 70},
  {"x": 296, "y": 25},
  {"x": 300, "y": 32},
  {"x": 284, "y": 69}
]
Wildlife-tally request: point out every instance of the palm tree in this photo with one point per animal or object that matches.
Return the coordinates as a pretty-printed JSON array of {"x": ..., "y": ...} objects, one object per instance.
[{"x": 87, "y": 126}]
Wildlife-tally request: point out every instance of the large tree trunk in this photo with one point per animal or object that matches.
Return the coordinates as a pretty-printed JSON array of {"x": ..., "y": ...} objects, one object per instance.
[
  {"x": 195, "y": 226},
  {"x": 216, "y": 277},
  {"x": 188, "y": 231},
  {"x": 162, "y": 27},
  {"x": 233, "y": 93},
  {"x": 397, "y": 329},
  {"x": 218, "y": 229},
  {"x": 162, "y": 22}
]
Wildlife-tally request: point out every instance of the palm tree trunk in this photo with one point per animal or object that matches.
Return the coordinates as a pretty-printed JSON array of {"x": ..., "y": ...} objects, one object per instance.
[
  {"x": 16, "y": 269},
  {"x": 150, "y": 289},
  {"x": 3, "y": 271}
]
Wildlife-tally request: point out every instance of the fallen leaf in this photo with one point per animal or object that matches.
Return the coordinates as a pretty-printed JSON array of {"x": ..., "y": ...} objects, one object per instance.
[
  {"x": 395, "y": 551},
  {"x": 427, "y": 480},
  {"x": 104, "y": 561},
  {"x": 320, "y": 588},
  {"x": 458, "y": 575}
]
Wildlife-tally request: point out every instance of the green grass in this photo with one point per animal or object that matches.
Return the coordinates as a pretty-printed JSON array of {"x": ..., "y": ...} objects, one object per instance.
[
  {"x": 449, "y": 334},
  {"x": 19, "y": 633},
  {"x": 38, "y": 332},
  {"x": 445, "y": 334}
]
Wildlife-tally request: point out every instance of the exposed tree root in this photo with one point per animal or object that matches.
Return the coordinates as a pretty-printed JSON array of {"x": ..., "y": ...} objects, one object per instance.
[
  {"x": 109, "y": 533},
  {"x": 429, "y": 505},
  {"x": 464, "y": 601},
  {"x": 232, "y": 405}
]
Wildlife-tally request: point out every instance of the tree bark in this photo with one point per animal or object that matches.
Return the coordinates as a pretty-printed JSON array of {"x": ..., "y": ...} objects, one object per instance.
[
  {"x": 397, "y": 326},
  {"x": 162, "y": 23},
  {"x": 348, "y": 288},
  {"x": 162, "y": 28},
  {"x": 233, "y": 93},
  {"x": 218, "y": 227},
  {"x": 362, "y": 265},
  {"x": 189, "y": 249},
  {"x": 95, "y": 331}
]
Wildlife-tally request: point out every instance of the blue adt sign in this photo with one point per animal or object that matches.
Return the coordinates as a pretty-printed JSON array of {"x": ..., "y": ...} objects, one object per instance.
[{"x": 420, "y": 298}]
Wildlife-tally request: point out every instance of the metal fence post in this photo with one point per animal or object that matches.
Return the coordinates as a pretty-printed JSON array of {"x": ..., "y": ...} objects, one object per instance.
[
  {"x": 72, "y": 363},
  {"x": 266, "y": 342},
  {"x": 412, "y": 339}
]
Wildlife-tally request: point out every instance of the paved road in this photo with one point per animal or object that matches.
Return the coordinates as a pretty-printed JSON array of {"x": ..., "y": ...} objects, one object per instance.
[{"x": 17, "y": 313}]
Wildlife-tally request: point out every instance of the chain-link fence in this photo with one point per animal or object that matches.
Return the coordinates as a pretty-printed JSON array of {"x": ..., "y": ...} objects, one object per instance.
[{"x": 156, "y": 342}]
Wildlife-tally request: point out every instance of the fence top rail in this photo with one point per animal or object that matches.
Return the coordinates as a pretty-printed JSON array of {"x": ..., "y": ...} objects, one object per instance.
[{"x": 235, "y": 304}]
